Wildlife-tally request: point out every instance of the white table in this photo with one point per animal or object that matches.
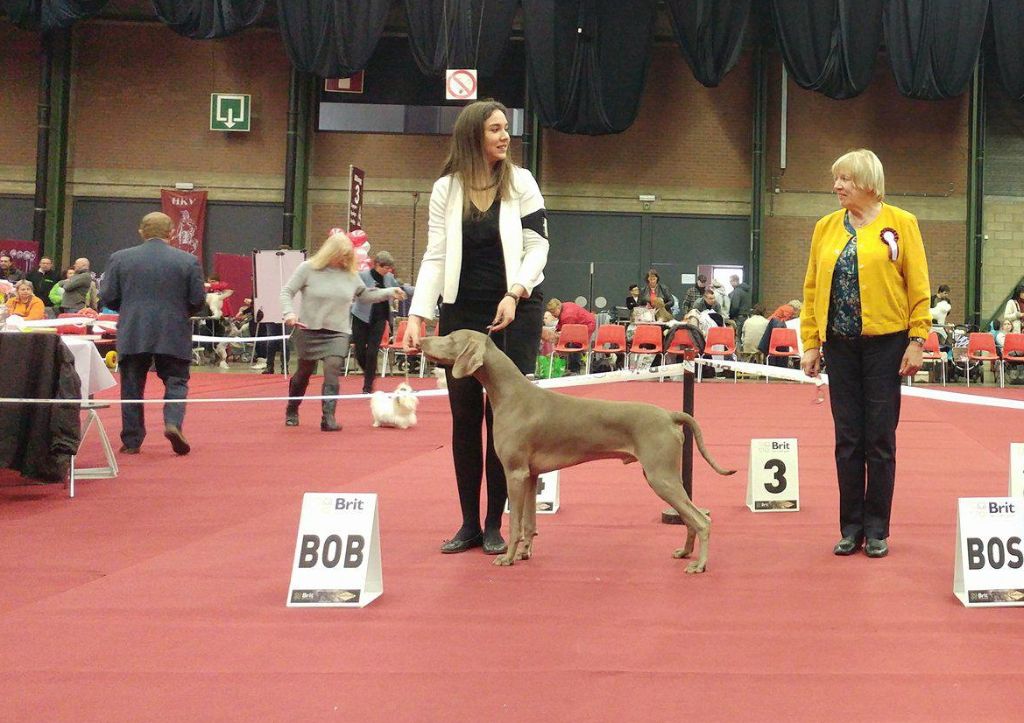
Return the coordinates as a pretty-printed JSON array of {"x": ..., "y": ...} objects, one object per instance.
[
  {"x": 95, "y": 378},
  {"x": 89, "y": 364}
]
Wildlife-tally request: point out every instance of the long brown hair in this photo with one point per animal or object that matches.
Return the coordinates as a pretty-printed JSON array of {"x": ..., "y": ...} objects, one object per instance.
[{"x": 466, "y": 159}]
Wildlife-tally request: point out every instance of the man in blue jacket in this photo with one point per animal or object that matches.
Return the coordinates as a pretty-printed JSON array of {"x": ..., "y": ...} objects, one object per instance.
[
  {"x": 156, "y": 288},
  {"x": 368, "y": 320}
]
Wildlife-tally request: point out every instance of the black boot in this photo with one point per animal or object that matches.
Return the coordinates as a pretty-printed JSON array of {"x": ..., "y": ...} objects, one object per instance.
[
  {"x": 327, "y": 423},
  {"x": 296, "y": 388}
]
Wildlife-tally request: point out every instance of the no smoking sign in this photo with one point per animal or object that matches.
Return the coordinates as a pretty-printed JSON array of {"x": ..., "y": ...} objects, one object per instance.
[{"x": 460, "y": 84}]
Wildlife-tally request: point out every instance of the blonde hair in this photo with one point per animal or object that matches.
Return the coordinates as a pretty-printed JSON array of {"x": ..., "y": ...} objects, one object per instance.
[
  {"x": 864, "y": 169},
  {"x": 466, "y": 160},
  {"x": 554, "y": 305},
  {"x": 337, "y": 246}
]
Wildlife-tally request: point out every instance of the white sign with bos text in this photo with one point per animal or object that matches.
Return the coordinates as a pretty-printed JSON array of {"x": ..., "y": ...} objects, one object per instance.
[
  {"x": 989, "y": 568},
  {"x": 547, "y": 494},
  {"x": 337, "y": 552},
  {"x": 1017, "y": 469},
  {"x": 773, "y": 483}
]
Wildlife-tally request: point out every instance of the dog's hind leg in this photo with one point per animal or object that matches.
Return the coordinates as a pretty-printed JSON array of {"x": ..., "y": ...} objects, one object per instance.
[
  {"x": 529, "y": 518},
  {"x": 669, "y": 487},
  {"x": 518, "y": 482}
]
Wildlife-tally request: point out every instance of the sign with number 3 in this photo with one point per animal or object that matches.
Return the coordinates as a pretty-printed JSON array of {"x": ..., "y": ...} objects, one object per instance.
[{"x": 773, "y": 484}]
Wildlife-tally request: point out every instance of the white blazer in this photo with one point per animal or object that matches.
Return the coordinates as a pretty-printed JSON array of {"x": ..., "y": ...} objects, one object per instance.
[{"x": 521, "y": 224}]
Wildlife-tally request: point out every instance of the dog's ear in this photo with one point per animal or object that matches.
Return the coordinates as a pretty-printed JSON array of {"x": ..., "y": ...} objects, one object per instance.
[{"x": 469, "y": 359}]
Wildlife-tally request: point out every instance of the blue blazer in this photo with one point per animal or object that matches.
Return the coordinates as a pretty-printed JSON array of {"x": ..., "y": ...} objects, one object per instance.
[{"x": 155, "y": 288}]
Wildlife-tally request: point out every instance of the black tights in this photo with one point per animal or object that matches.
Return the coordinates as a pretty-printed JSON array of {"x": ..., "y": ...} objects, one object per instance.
[
  {"x": 469, "y": 411},
  {"x": 300, "y": 380}
]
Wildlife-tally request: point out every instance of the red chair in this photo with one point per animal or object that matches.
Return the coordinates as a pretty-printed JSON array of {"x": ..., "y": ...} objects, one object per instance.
[
  {"x": 1013, "y": 353},
  {"x": 931, "y": 353},
  {"x": 385, "y": 338},
  {"x": 572, "y": 339},
  {"x": 611, "y": 339},
  {"x": 981, "y": 347},
  {"x": 646, "y": 340},
  {"x": 723, "y": 337},
  {"x": 398, "y": 348},
  {"x": 784, "y": 344}
]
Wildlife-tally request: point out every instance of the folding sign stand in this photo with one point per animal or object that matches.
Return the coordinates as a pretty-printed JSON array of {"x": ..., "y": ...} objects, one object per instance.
[
  {"x": 107, "y": 472},
  {"x": 337, "y": 552}
]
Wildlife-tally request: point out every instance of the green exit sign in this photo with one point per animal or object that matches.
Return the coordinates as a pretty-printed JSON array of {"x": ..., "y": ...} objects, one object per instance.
[{"x": 230, "y": 111}]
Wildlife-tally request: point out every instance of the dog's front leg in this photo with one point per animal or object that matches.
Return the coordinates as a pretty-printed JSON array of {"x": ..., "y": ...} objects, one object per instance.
[
  {"x": 529, "y": 519},
  {"x": 517, "y": 480}
]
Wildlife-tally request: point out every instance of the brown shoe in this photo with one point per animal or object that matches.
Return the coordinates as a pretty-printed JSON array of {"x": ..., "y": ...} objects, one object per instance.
[{"x": 178, "y": 442}]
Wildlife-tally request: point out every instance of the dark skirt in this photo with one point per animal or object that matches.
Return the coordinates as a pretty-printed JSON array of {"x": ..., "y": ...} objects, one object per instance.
[
  {"x": 520, "y": 340},
  {"x": 316, "y": 344}
]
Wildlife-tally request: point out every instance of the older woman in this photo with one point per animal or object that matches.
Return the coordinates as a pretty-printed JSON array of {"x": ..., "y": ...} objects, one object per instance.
[
  {"x": 1014, "y": 310},
  {"x": 25, "y": 303},
  {"x": 866, "y": 302},
  {"x": 328, "y": 283}
]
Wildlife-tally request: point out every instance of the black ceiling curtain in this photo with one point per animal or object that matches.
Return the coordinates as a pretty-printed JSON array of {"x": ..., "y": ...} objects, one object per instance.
[
  {"x": 208, "y": 19},
  {"x": 1008, "y": 39},
  {"x": 710, "y": 34},
  {"x": 829, "y": 45},
  {"x": 934, "y": 44},
  {"x": 331, "y": 38},
  {"x": 459, "y": 33},
  {"x": 49, "y": 15},
  {"x": 587, "y": 60}
]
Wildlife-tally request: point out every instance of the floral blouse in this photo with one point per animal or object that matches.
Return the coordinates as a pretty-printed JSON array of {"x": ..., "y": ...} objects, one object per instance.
[{"x": 844, "y": 306}]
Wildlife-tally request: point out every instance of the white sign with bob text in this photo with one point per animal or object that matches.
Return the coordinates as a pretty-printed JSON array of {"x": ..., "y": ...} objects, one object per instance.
[
  {"x": 547, "y": 494},
  {"x": 989, "y": 567},
  {"x": 773, "y": 482},
  {"x": 337, "y": 552}
]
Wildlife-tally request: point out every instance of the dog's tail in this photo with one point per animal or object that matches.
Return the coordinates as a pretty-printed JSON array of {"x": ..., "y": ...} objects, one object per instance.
[{"x": 684, "y": 418}]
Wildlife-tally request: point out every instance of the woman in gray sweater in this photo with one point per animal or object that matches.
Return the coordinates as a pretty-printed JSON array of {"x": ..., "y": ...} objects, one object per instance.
[{"x": 328, "y": 283}]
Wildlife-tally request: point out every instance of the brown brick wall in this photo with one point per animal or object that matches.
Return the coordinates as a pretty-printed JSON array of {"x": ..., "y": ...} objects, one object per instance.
[
  {"x": 141, "y": 102},
  {"x": 19, "y": 93}
]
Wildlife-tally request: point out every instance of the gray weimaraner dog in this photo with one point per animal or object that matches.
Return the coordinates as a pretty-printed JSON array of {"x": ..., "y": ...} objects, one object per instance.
[{"x": 537, "y": 431}]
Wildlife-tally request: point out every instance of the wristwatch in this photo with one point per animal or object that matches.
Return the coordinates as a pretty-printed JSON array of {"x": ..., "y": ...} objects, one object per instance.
[{"x": 917, "y": 340}]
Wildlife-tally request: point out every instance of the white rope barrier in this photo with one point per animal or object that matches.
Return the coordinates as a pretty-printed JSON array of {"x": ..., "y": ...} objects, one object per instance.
[
  {"x": 670, "y": 370},
  {"x": 112, "y": 326}
]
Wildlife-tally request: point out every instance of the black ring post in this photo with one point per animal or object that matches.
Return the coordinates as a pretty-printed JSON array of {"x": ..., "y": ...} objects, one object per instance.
[{"x": 670, "y": 516}]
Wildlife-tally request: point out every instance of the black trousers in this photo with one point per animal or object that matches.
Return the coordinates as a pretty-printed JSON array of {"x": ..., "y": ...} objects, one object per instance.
[
  {"x": 864, "y": 391},
  {"x": 173, "y": 372},
  {"x": 521, "y": 342},
  {"x": 366, "y": 346},
  {"x": 269, "y": 349}
]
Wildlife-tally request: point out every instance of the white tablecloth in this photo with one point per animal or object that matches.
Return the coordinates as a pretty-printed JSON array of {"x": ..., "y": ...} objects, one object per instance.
[{"x": 89, "y": 364}]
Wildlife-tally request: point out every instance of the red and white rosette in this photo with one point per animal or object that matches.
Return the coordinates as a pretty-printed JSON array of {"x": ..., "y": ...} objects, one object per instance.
[{"x": 891, "y": 239}]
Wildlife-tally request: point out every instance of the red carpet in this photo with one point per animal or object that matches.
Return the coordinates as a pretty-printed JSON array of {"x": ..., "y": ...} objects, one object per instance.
[{"x": 160, "y": 595}]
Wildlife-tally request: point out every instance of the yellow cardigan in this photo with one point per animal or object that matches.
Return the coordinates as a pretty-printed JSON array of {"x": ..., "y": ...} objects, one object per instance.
[{"x": 894, "y": 295}]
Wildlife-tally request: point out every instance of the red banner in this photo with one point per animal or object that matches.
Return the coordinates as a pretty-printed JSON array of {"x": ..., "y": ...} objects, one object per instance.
[
  {"x": 236, "y": 272},
  {"x": 356, "y": 179},
  {"x": 24, "y": 254},
  {"x": 187, "y": 210}
]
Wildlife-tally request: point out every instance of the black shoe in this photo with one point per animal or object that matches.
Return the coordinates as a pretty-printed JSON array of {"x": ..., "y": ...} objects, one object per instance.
[
  {"x": 847, "y": 546},
  {"x": 451, "y": 546},
  {"x": 493, "y": 543},
  {"x": 178, "y": 442},
  {"x": 268, "y": 370},
  {"x": 291, "y": 419},
  {"x": 876, "y": 548},
  {"x": 125, "y": 449},
  {"x": 329, "y": 425}
]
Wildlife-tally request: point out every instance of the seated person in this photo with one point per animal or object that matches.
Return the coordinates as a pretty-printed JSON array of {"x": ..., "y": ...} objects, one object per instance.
[
  {"x": 24, "y": 303},
  {"x": 778, "y": 320},
  {"x": 569, "y": 313},
  {"x": 753, "y": 329},
  {"x": 634, "y": 297},
  {"x": 709, "y": 302}
]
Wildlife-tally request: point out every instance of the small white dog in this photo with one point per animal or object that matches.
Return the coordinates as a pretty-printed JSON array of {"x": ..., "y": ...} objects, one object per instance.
[{"x": 397, "y": 409}]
